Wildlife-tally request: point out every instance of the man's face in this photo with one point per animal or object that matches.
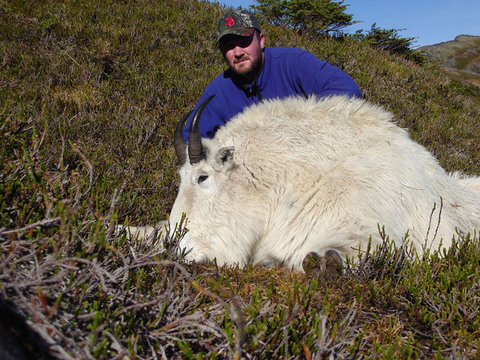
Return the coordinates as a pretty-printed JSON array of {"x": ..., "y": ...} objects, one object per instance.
[{"x": 244, "y": 55}]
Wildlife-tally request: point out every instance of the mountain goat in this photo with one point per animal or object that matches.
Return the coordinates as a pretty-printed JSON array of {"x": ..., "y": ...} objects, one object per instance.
[{"x": 294, "y": 177}]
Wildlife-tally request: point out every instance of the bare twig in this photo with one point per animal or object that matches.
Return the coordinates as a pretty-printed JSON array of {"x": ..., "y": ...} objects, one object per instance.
[{"x": 41, "y": 223}]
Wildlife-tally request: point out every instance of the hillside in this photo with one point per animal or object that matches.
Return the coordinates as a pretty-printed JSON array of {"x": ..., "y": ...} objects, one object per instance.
[
  {"x": 460, "y": 58},
  {"x": 90, "y": 93}
]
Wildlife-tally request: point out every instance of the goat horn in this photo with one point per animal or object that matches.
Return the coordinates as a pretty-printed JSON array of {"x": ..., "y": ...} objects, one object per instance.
[
  {"x": 178, "y": 143},
  {"x": 195, "y": 147}
]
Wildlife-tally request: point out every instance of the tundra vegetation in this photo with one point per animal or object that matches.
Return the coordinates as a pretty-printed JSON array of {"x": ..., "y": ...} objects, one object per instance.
[{"x": 90, "y": 93}]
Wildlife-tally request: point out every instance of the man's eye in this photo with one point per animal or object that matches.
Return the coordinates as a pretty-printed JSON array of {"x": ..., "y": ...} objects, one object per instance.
[
  {"x": 229, "y": 46},
  {"x": 202, "y": 178}
]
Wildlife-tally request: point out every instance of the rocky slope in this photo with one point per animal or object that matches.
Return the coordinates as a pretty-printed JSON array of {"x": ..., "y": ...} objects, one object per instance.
[{"x": 460, "y": 58}]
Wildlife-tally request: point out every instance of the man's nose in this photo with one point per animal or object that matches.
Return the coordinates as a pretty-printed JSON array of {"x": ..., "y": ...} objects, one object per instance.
[{"x": 238, "y": 51}]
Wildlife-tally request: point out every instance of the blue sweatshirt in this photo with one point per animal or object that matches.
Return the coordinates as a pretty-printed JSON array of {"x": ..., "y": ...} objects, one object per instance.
[{"x": 286, "y": 72}]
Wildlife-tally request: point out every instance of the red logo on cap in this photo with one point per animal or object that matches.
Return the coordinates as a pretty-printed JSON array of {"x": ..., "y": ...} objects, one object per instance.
[{"x": 229, "y": 21}]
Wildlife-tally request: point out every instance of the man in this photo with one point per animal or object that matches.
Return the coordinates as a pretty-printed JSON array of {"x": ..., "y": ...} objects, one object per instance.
[{"x": 256, "y": 72}]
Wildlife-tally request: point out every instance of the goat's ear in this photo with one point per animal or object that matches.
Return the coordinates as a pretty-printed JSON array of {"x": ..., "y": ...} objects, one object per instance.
[{"x": 224, "y": 157}]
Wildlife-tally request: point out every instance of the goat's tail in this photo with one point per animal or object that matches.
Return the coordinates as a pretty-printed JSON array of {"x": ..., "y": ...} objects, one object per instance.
[{"x": 473, "y": 183}]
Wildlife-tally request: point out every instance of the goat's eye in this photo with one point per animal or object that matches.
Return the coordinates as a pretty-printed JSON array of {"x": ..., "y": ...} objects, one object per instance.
[{"x": 202, "y": 178}]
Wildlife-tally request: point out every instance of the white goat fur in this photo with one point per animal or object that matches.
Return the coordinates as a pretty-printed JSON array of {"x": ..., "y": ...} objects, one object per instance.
[{"x": 287, "y": 177}]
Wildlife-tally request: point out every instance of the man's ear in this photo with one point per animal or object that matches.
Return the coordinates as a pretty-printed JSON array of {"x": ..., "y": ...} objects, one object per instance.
[
  {"x": 224, "y": 157},
  {"x": 261, "y": 38}
]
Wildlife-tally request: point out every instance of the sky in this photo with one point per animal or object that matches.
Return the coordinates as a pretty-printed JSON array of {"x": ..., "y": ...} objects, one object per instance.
[{"x": 428, "y": 21}]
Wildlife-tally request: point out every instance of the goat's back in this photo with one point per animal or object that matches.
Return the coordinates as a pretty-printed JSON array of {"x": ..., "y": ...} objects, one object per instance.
[{"x": 354, "y": 164}]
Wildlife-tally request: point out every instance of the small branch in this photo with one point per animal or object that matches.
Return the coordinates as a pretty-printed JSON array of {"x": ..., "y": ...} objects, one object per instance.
[{"x": 42, "y": 223}]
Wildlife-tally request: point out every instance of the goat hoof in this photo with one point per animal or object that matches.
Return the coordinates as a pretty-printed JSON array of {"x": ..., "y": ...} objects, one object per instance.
[{"x": 328, "y": 266}]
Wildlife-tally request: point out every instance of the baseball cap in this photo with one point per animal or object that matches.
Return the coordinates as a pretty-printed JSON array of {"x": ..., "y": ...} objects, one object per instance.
[{"x": 237, "y": 22}]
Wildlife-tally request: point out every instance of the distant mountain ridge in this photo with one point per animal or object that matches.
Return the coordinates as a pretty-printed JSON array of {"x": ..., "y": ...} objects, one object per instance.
[{"x": 460, "y": 58}]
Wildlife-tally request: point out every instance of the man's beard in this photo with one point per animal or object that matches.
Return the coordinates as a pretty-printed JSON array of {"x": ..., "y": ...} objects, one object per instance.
[{"x": 251, "y": 74}]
